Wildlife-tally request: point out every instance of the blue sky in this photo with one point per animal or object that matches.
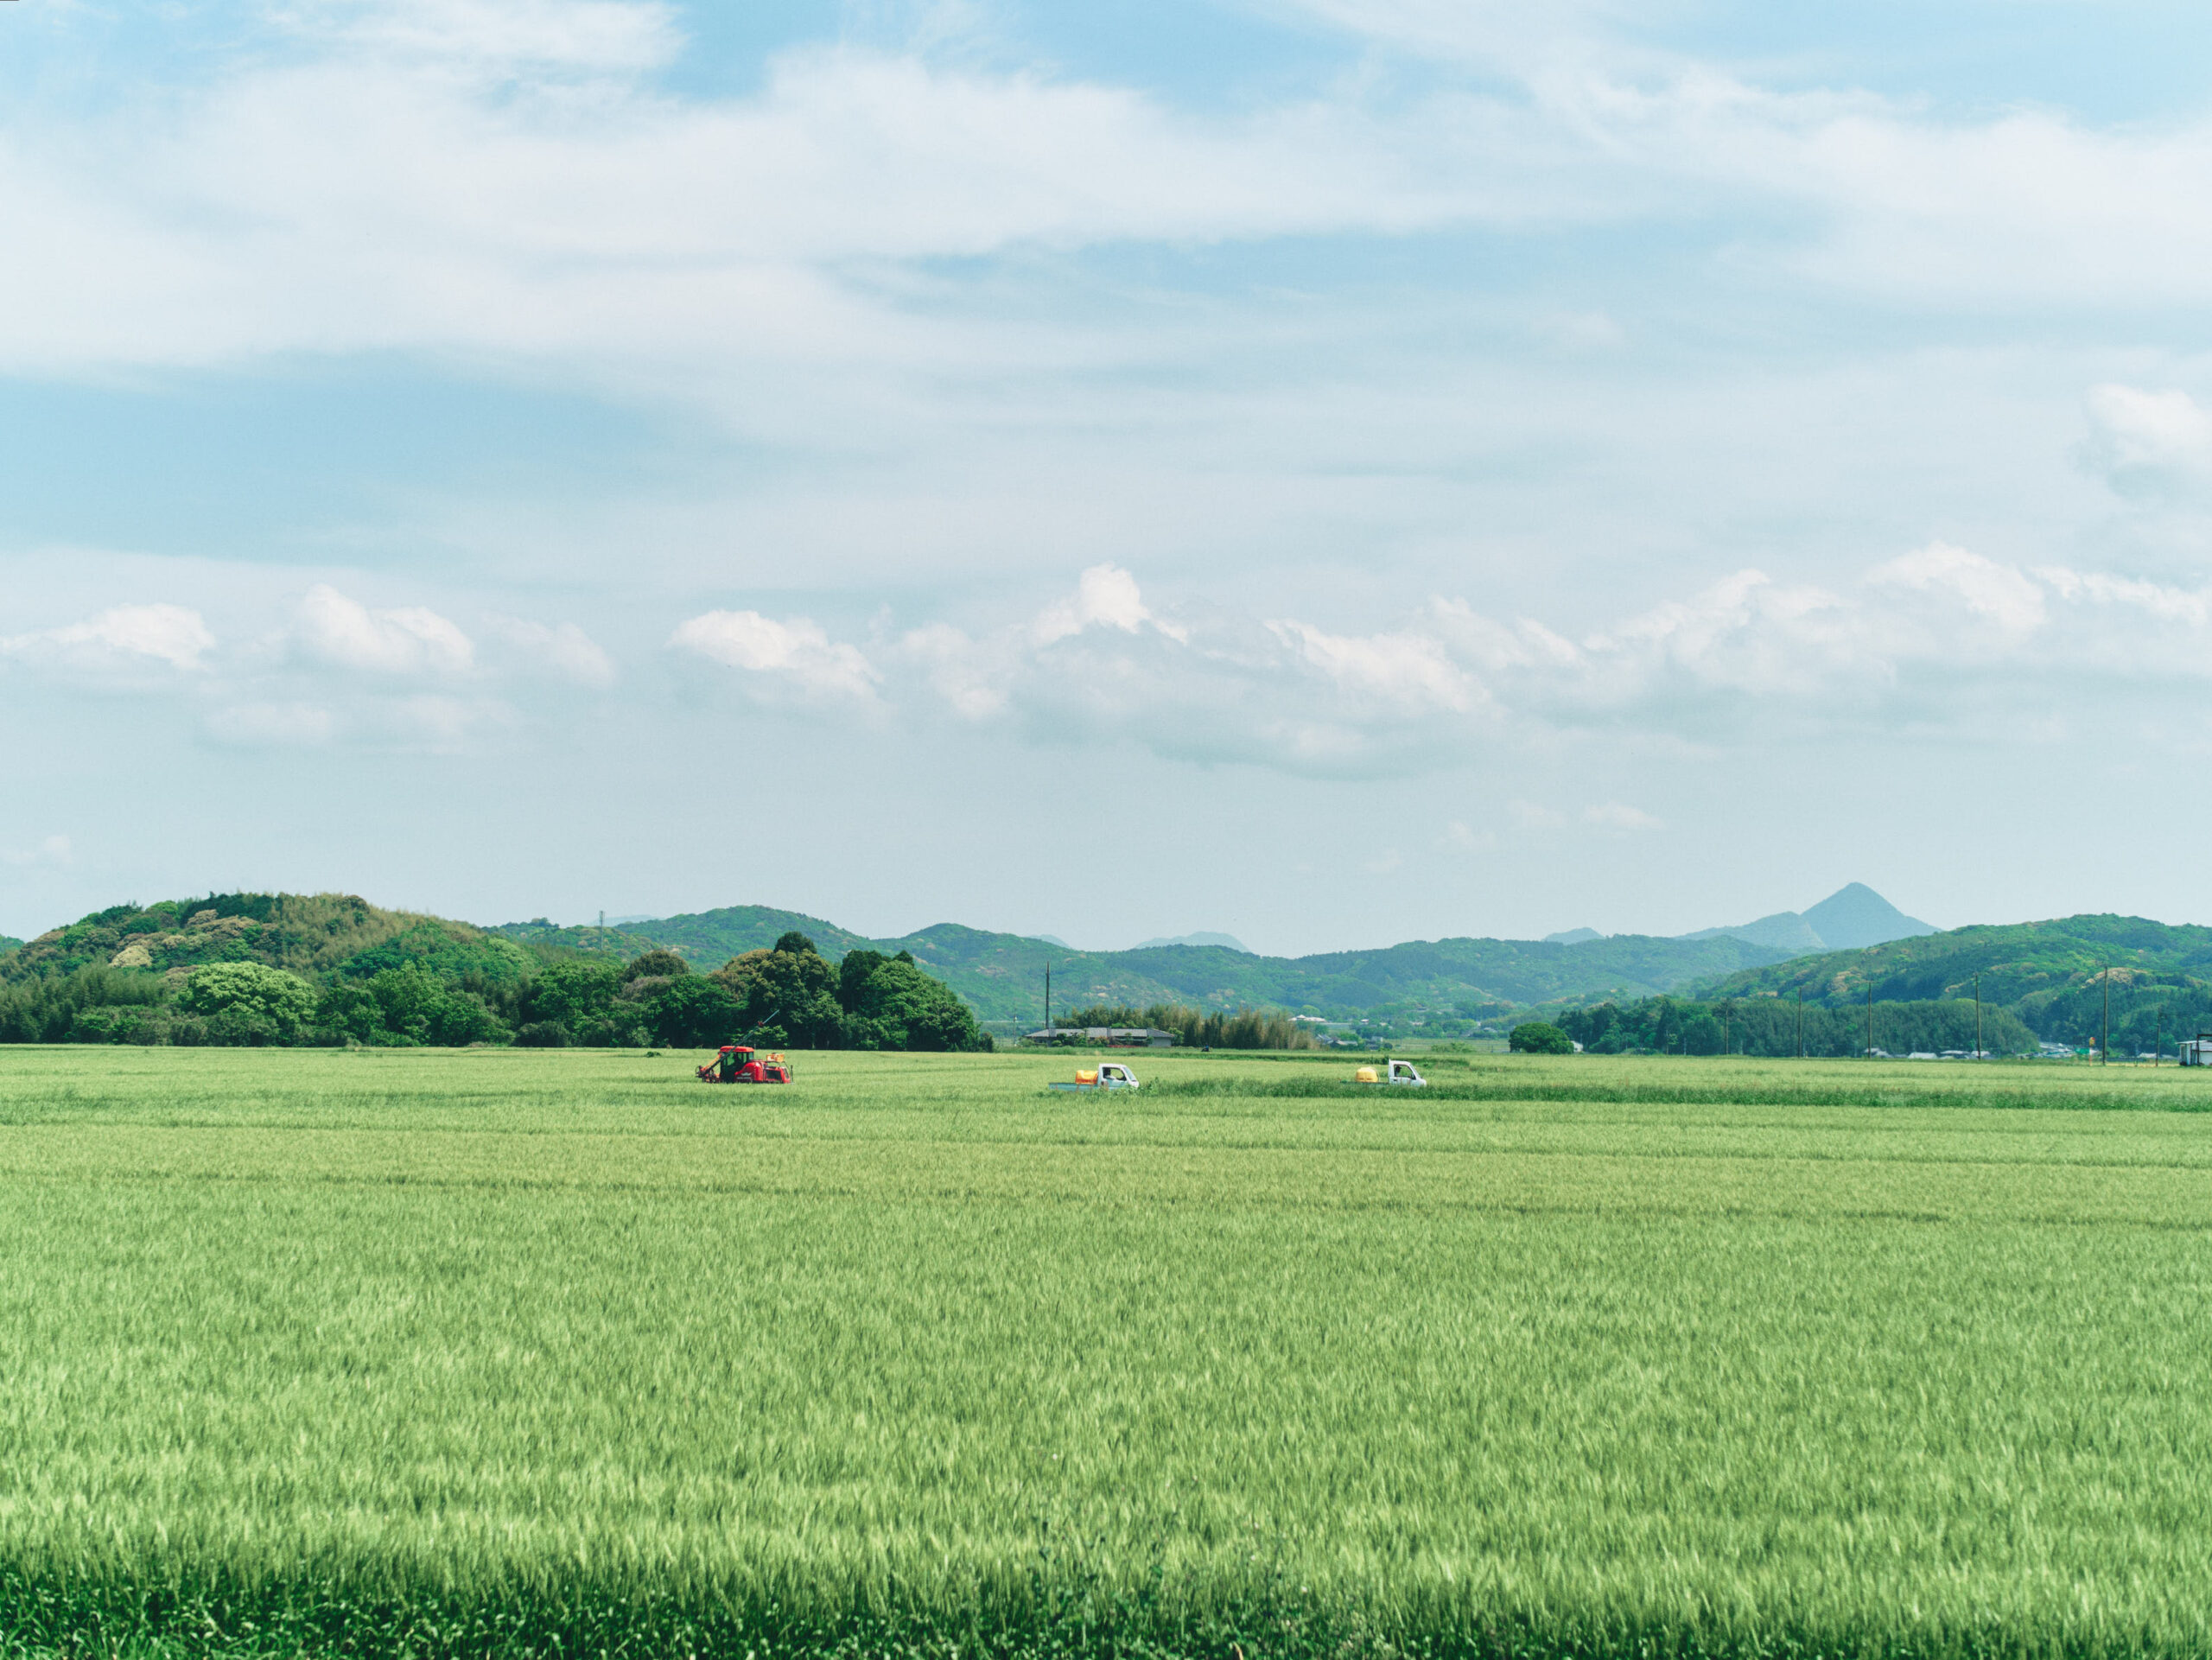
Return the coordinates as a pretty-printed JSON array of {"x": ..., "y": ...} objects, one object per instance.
[{"x": 1334, "y": 471}]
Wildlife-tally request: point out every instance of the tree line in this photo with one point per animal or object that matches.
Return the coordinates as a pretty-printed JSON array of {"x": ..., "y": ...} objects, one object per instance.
[
  {"x": 1248, "y": 1028},
  {"x": 1770, "y": 1026}
]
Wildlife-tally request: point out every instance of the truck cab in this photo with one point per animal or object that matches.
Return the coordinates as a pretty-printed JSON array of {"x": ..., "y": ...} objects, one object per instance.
[
  {"x": 1107, "y": 1074},
  {"x": 1392, "y": 1071}
]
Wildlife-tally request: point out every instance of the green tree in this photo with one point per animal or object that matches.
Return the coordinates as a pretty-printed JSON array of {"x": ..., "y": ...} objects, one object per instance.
[
  {"x": 427, "y": 1008},
  {"x": 853, "y": 976},
  {"x": 399, "y": 1007},
  {"x": 787, "y": 996},
  {"x": 572, "y": 995},
  {"x": 1539, "y": 1038},
  {"x": 1195, "y": 1028},
  {"x": 694, "y": 1012},
  {"x": 113, "y": 1024},
  {"x": 1698, "y": 1032},
  {"x": 898, "y": 1006},
  {"x": 655, "y": 965},
  {"x": 248, "y": 1003}
]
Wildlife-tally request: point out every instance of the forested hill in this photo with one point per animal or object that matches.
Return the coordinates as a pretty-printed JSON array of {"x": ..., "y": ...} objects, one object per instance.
[
  {"x": 1003, "y": 975},
  {"x": 2051, "y": 974},
  {"x": 703, "y": 938},
  {"x": 310, "y": 935},
  {"x": 330, "y": 969}
]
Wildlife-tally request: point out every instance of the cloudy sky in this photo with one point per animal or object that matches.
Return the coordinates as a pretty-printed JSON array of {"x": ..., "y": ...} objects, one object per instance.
[{"x": 1335, "y": 471}]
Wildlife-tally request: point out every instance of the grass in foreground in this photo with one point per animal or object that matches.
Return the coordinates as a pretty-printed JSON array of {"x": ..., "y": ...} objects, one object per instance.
[{"x": 513, "y": 1352}]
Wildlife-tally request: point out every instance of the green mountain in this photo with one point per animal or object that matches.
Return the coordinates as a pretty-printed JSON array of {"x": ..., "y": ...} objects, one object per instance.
[
  {"x": 2051, "y": 974},
  {"x": 1855, "y": 915},
  {"x": 623, "y": 941},
  {"x": 1229, "y": 940},
  {"x": 311, "y": 935},
  {"x": 1852, "y": 916},
  {"x": 706, "y": 940},
  {"x": 1002, "y": 975}
]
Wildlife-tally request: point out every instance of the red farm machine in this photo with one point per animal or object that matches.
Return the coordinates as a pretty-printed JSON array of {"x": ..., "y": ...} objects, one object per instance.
[{"x": 735, "y": 1064}]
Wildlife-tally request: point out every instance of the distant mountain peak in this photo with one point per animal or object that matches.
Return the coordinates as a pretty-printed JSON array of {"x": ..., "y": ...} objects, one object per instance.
[
  {"x": 1573, "y": 937},
  {"x": 1851, "y": 917},
  {"x": 1228, "y": 942},
  {"x": 1855, "y": 915}
]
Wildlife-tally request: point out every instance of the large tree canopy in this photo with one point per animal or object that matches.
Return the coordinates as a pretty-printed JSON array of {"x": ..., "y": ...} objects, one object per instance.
[
  {"x": 786, "y": 995},
  {"x": 792, "y": 995}
]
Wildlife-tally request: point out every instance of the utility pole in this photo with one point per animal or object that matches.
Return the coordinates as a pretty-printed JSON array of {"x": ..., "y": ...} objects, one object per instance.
[
  {"x": 2158, "y": 1041},
  {"x": 1977, "y": 1017},
  {"x": 2104, "y": 1043},
  {"x": 1048, "y": 1000},
  {"x": 1870, "y": 1020},
  {"x": 1801, "y": 1023}
]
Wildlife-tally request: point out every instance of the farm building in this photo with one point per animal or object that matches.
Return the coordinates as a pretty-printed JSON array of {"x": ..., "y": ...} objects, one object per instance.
[{"x": 2197, "y": 1051}]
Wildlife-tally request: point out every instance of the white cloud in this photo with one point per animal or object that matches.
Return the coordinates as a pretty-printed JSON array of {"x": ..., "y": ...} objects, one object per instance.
[
  {"x": 1066, "y": 657},
  {"x": 505, "y": 36},
  {"x": 53, "y": 851},
  {"x": 2027, "y": 208},
  {"x": 1921, "y": 641},
  {"x": 1618, "y": 816},
  {"x": 1461, "y": 838},
  {"x": 123, "y": 635},
  {"x": 403, "y": 198},
  {"x": 561, "y": 649},
  {"x": 2145, "y": 442},
  {"x": 511, "y": 178},
  {"x": 1408, "y": 670},
  {"x": 1533, "y": 816},
  {"x": 1106, "y": 596},
  {"x": 2191, "y": 608},
  {"x": 271, "y": 726},
  {"x": 953, "y": 667},
  {"x": 2008, "y": 597},
  {"x": 798, "y": 654},
  {"x": 332, "y": 628},
  {"x": 1743, "y": 634},
  {"x": 438, "y": 723}
]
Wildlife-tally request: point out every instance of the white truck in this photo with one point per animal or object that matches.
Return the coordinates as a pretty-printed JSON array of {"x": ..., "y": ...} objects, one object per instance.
[
  {"x": 1107, "y": 1074},
  {"x": 1391, "y": 1071}
]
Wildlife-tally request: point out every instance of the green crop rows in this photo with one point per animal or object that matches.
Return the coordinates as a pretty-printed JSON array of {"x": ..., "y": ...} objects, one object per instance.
[{"x": 560, "y": 1353}]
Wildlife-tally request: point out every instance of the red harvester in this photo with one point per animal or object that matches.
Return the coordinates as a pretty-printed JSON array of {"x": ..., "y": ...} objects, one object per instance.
[{"x": 735, "y": 1064}]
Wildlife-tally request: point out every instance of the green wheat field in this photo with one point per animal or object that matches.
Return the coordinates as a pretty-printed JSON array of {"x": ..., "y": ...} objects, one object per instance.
[{"x": 560, "y": 1353}]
